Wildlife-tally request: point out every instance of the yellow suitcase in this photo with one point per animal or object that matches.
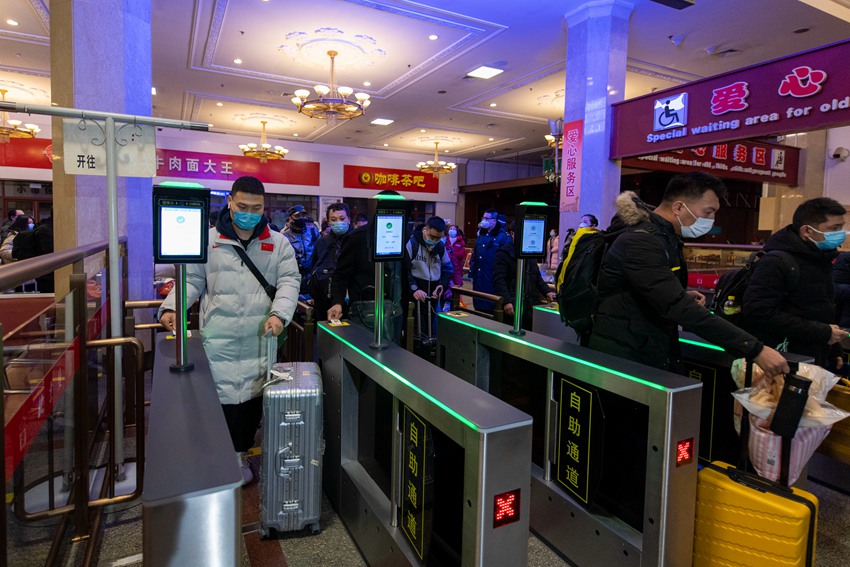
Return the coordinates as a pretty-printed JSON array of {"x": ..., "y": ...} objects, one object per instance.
[{"x": 745, "y": 520}]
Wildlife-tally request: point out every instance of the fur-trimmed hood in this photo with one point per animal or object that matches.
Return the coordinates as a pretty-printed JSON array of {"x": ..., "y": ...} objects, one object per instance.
[{"x": 631, "y": 210}]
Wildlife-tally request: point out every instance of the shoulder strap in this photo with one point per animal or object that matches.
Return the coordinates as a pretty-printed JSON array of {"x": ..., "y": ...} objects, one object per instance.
[{"x": 267, "y": 287}]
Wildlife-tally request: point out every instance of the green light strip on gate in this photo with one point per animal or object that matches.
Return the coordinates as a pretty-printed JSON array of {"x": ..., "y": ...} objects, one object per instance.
[
  {"x": 700, "y": 344},
  {"x": 183, "y": 184},
  {"x": 547, "y": 309},
  {"x": 558, "y": 354},
  {"x": 405, "y": 381},
  {"x": 534, "y": 204}
]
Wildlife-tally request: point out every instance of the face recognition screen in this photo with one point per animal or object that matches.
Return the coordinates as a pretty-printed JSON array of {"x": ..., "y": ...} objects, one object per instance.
[
  {"x": 533, "y": 236},
  {"x": 389, "y": 235},
  {"x": 181, "y": 230},
  {"x": 180, "y": 225}
]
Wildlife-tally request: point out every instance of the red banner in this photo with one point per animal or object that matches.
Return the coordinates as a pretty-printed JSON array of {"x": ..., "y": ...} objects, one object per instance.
[
  {"x": 382, "y": 178},
  {"x": 806, "y": 91},
  {"x": 751, "y": 161},
  {"x": 198, "y": 165},
  {"x": 32, "y": 152},
  {"x": 23, "y": 425},
  {"x": 571, "y": 165}
]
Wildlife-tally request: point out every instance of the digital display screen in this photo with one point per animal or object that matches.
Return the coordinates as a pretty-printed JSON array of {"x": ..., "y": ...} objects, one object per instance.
[
  {"x": 181, "y": 230},
  {"x": 389, "y": 235},
  {"x": 533, "y": 236},
  {"x": 180, "y": 224}
]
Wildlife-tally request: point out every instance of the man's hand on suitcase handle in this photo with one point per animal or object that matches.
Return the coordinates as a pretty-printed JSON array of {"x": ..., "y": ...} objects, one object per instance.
[
  {"x": 273, "y": 324},
  {"x": 772, "y": 362},
  {"x": 420, "y": 295}
]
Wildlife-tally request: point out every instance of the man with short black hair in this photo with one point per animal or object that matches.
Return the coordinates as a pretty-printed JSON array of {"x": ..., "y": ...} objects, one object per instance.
[
  {"x": 790, "y": 300},
  {"x": 10, "y": 218},
  {"x": 236, "y": 311},
  {"x": 325, "y": 256},
  {"x": 643, "y": 295},
  {"x": 360, "y": 219}
]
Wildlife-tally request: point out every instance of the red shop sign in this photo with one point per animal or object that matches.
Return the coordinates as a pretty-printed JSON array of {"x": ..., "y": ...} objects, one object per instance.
[
  {"x": 198, "y": 165},
  {"x": 33, "y": 152},
  {"x": 806, "y": 91},
  {"x": 381, "y": 178},
  {"x": 750, "y": 161}
]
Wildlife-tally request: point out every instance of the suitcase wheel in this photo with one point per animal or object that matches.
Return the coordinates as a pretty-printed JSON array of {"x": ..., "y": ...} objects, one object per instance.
[
  {"x": 269, "y": 533},
  {"x": 314, "y": 529}
]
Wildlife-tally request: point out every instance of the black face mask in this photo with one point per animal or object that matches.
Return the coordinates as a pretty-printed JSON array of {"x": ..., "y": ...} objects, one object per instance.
[{"x": 299, "y": 224}]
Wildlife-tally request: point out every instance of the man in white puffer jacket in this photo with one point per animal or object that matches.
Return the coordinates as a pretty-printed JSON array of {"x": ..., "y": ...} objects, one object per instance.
[{"x": 236, "y": 312}]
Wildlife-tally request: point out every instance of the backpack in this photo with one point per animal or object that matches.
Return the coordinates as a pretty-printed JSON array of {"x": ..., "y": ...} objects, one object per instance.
[
  {"x": 576, "y": 278},
  {"x": 734, "y": 283}
]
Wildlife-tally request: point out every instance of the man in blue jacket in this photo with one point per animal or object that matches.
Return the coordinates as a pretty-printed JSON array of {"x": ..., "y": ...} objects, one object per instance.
[
  {"x": 491, "y": 237},
  {"x": 236, "y": 311}
]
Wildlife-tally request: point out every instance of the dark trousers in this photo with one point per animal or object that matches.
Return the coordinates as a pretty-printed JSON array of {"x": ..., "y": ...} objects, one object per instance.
[{"x": 243, "y": 420}]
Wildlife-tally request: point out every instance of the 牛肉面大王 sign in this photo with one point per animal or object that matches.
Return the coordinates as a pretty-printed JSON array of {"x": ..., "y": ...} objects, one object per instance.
[
  {"x": 806, "y": 91},
  {"x": 744, "y": 159},
  {"x": 199, "y": 165}
]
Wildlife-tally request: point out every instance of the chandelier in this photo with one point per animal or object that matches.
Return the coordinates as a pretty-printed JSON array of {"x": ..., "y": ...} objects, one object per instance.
[
  {"x": 556, "y": 134},
  {"x": 264, "y": 152},
  {"x": 12, "y": 128},
  {"x": 436, "y": 167},
  {"x": 551, "y": 141},
  {"x": 332, "y": 103}
]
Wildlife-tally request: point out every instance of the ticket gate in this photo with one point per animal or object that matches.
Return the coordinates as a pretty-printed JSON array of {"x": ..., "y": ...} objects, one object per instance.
[
  {"x": 422, "y": 467},
  {"x": 613, "y": 456}
]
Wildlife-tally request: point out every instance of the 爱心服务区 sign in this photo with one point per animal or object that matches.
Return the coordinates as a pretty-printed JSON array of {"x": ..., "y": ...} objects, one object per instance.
[{"x": 806, "y": 91}]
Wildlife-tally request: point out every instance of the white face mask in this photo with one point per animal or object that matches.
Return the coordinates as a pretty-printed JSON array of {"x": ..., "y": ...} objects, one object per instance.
[
  {"x": 700, "y": 227},
  {"x": 583, "y": 225}
]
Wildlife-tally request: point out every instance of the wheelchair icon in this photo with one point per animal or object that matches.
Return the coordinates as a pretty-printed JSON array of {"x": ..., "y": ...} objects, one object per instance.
[{"x": 669, "y": 116}]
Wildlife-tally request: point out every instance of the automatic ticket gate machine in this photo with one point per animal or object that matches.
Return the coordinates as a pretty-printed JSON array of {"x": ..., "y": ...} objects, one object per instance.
[
  {"x": 422, "y": 467},
  {"x": 613, "y": 451}
]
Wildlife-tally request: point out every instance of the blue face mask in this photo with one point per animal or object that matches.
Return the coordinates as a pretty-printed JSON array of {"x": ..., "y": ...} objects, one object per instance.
[
  {"x": 453, "y": 233},
  {"x": 831, "y": 240},
  {"x": 246, "y": 221},
  {"x": 30, "y": 226},
  {"x": 443, "y": 240},
  {"x": 339, "y": 227}
]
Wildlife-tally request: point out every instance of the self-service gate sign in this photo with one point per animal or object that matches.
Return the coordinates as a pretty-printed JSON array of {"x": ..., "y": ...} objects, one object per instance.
[
  {"x": 580, "y": 440},
  {"x": 416, "y": 481},
  {"x": 84, "y": 148}
]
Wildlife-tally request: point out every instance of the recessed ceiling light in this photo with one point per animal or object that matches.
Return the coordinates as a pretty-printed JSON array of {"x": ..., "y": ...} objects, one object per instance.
[
  {"x": 219, "y": 104},
  {"x": 296, "y": 135},
  {"x": 237, "y": 61},
  {"x": 485, "y": 72},
  {"x": 153, "y": 91},
  {"x": 382, "y": 121},
  {"x": 367, "y": 84},
  {"x": 209, "y": 124},
  {"x": 11, "y": 22},
  {"x": 386, "y": 145},
  {"x": 422, "y": 129},
  {"x": 490, "y": 139},
  {"x": 798, "y": 30},
  {"x": 492, "y": 105},
  {"x": 433, "y": 37}
]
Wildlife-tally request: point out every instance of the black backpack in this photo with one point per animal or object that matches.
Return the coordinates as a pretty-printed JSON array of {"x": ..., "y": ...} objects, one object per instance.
[
  {"x": 734, "y": 283},
  {"x": 576, "y": 279}
]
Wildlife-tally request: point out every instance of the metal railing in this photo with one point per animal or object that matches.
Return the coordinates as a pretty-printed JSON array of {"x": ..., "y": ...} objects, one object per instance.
[
  {"x": 87, "y": 423},
  {"x": 498, "y": 313}
]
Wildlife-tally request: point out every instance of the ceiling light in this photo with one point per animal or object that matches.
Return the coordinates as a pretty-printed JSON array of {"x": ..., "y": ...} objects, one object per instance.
[
  {"x": 490, "y": 139},
  {"x": 492, "y": 105},
  {"x": 12, "y": 128},
  {"x": 382, "y": 121},
  {"x": 484, "y": 72},
  {"x": 219, "y": 104},
  {"x": 264, "y": 152},
  {"x": 296, "y": 135},
  {"x": 237, "y": 61},
  {"x": 433, "y": 37},
  {"x": 435, "y": 166},
  {"x": 11, "y": 22},
  {"x": 422, "y": 129},
  {"x": 153, "y": 91},
  {"x": 386, "y": 145},
  {"x": 333, "y": 103},
  {"x": 367, "y": 84}
]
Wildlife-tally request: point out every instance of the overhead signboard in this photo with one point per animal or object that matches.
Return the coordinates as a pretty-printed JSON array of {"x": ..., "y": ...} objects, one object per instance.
[
  {"x": 382, "y": 178},
  {"x": 806, "y": 91},
  {"x": 226, "y": 167},
  {"x": 746, "y": 160},
  {"x": 84, "y": 148}
]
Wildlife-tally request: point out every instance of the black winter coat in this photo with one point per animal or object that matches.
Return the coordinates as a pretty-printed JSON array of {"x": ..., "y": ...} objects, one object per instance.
[
  {"x": 775, "y": 309},
  {"x": 841, "y": 279},
  {"x": 642, "y": 291},
  {"x": 504, "y": 277}
]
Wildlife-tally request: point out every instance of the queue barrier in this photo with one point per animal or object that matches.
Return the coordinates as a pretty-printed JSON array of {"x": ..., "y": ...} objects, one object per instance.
[
  {"x": 498, "y": 310},
  {"x": 383, "y": 410},
  {"x": 646, "y": 456}
]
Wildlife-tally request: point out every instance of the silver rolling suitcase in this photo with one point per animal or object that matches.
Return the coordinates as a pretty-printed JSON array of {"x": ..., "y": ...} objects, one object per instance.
[{"x": 291, "y": 472}]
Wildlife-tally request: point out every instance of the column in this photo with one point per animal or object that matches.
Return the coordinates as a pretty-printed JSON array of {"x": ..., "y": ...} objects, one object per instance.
[
  {"x": 597, "y": 40},
  {"x": 100, "y": 59}
]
